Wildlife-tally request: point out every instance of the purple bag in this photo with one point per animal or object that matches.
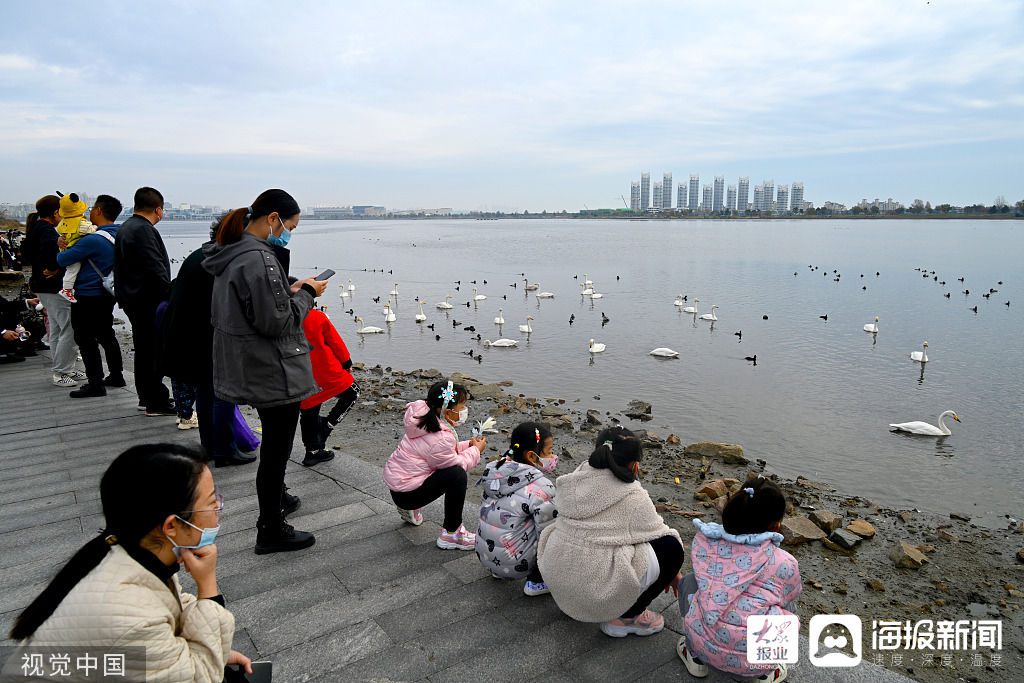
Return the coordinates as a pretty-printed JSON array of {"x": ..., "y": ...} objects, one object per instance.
[{"x": 244, "y": 438}]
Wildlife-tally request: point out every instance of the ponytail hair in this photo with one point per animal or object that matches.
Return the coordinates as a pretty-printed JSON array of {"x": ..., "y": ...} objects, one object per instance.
[
  {"x": 529, "y": 436},
  {"x": 617, "y": 450},
  {"x": 755, "y": 508},
  {"x": 231, "y": 226},
  {"x": 139, "y": 490},
  {"x": 430, "y": 422}
]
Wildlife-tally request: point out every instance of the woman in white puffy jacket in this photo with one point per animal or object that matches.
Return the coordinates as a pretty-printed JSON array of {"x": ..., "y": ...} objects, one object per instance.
[{"x": 119, "y": 594}]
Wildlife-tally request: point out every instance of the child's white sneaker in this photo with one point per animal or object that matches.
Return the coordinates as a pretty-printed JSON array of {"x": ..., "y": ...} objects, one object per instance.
[
  {"x": 414, "y": 517},
  {"x": 647, "y": 623},
  {"x": 189, "y": 422},
  {"x": 68, "y": 295},
  {"x": 460, "y": 539},
  {"x": 697, "y": 668},
  {"x": 536, "y": 588}
]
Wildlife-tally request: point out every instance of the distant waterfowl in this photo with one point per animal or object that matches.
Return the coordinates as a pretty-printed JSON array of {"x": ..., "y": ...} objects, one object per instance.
[
  {"x": 680, "y": 301},
  {"x": 389, "y": 315},
  {"x": 545, "y": 295},
  {"x": 710, "y": 316},
  {"x": 501, "y": 343},
  {"x": 586, "y": 291},
  {"x": 824, "y": 317},
  {"x": 526, "y": 328},
  {"x": 604, "y": 319},
  {"x": 663, "y": 352},
  {"x": 421, "y": 317},
  {"x": 596, "y": 347},
  {"x": 924, "y": 428},
  {"x": 572, "y": 316},
  {"x": 739, "y": 334},
  {"x": 586, "y": 281},
  {"x": 367, "y": 329},
  {"x": 751, "y": 358},
  {"x": 920, "y": 356},
  {"x": 478, "y": 297},
  {"x": 351, "y": 287},
  {"x": 532, "y": 288},
  {"x": 764, "y": 317},
  {"x": 973, "y": 308},
  {"x": 444, "y": 304},
  {"x": 500, "y": 320},
  {"x": 872, "y": 327},
  {"x": 692, "y": 309},
  {"x": 394, "y": 292},
  {"x": 597, "y": 295}
]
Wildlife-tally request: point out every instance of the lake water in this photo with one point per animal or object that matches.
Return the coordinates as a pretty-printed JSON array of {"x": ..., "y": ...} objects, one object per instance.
[{"x": 820, "y": 398}]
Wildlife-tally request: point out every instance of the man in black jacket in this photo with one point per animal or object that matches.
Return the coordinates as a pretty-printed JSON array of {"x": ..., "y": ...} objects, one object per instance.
[
  {"x": 11, "y": 345},
  {"x": 142, "y": 280}
]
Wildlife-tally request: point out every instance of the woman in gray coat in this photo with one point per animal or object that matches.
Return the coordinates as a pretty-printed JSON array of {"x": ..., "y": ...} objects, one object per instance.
[{"x": 260, "y": 354}]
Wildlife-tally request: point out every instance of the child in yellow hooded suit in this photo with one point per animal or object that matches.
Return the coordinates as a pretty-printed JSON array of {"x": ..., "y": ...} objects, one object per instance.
[{"x": 73, "y": 226}]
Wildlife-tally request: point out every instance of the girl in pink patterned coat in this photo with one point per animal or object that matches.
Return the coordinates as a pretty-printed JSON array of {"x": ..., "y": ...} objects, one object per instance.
[{"x": 739, "y": 571}]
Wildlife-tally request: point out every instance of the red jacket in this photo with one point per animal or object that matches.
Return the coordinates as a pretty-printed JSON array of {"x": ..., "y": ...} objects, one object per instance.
[{"x": 328, "y": 355}]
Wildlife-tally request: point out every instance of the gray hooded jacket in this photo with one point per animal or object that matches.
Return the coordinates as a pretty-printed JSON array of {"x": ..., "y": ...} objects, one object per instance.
[
  {"x": 260, "y": 354},
  {"x": 518, "y": 502}
]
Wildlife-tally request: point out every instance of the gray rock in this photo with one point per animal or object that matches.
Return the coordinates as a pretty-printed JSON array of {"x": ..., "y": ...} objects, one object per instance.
[
  {"x": 487, "y": 391},
  {"x": 592, "y": 417},
  {"x": 639, "y": 410},
  {"x": 728, "y": 453},
  {"x": 430, "y": 374},
  {"x": 905, "y": 555},
  {"x": 959, "y": 516},
  {"x": 377, "y": 370},
  {"x": 800, "y": 530},
  {"x": 827, "y": 521},
  {"x": 844, "y": 538},
  {"x": 551, "y": 411}
]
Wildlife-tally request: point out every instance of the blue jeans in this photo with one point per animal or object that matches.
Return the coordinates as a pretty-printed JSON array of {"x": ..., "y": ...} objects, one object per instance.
[{"x": 216, "y": 422}]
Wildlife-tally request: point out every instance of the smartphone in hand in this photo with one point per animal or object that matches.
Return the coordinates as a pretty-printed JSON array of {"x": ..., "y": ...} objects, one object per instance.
[{"x": 326, "y": 275}]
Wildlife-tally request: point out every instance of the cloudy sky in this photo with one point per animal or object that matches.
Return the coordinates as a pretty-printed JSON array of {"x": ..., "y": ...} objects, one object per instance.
[{"x": 511, "y": 106}]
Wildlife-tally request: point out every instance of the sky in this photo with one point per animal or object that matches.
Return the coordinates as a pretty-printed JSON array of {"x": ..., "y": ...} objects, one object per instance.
[{"x": 511, "y": 106}]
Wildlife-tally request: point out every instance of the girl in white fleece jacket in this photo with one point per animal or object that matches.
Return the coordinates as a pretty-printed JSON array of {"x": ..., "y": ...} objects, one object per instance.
[{"x": 609, "y": 553}]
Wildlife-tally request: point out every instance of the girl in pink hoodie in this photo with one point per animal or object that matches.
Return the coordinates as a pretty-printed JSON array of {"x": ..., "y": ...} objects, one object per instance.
[{"x": 431, "y": 462}]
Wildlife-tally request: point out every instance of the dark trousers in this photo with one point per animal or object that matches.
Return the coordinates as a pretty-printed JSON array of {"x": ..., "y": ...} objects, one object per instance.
[
  {"x": 148, "y": 377},
  {"x": 450, "y": 483},
  {"x": 92, "y": 320},
  {"x": 315, "y": 429},
  {"x": 216, "y": 422},
  {"x": 670, "y": 558},
  {"x": 279, "y": 425}
]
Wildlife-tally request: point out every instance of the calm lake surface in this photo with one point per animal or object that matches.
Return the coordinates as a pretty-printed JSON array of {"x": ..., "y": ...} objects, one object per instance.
[{"x": 822, "y": 394}]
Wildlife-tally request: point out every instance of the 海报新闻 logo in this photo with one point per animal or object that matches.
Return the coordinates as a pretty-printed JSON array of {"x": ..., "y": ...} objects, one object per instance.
[{"x": 835, "y": 640}]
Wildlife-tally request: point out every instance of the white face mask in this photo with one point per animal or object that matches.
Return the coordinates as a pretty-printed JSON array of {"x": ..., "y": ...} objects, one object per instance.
[{"x": 463, "y": 416}]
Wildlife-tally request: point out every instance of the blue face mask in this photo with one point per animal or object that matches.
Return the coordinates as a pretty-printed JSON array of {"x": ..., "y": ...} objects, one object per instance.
[
  {"x": 207, "y": 538},
  {"x": 285, "y": 237}
]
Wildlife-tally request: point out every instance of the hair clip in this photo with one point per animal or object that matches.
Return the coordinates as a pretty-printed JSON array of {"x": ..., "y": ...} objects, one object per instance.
[
  {"x": 608, "y": 444},
  {"x": 749, "y": 492},
  {"x": 111, "y": 539},
  {"x": 448, "y": 394},
  {"x": 537, "y": 432}
]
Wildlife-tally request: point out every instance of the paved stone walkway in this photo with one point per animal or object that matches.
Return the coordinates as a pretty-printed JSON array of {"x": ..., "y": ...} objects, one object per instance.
[{"x": 374, "y": 599}]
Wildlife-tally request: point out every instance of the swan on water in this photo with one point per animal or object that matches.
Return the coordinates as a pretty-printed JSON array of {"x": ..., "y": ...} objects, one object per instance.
[
  {"x": 597, "y": 295},
  {"x": 351, "y": 287},
  {"x": 920, "y": 356},
  {"x": 545, "y": 295},
  {"x": 389, "y": 315},
  {"x": 587, "y": 291},
  {"x": 925, "y": 428},
  {"x": 872, "y": 327},
  {"x": 532, "y": 288},
  {"x": 367, "y": 329},
  {"x": 679, "y": 300},
  {"x": 501, "y": 343},
  {"x": 596, "y": 348},
  {"x": 664, "y": 352},
  {"x": 692, "y": 309},
  {"x": 394, "y": 292},
  {"x": 499, "y": 320},
  {"x": 710, "y": 316},
  {"x": 526, "y": 328},
  {"x": 420, "y": 317},
  {"x": 478, "y": 297},
  {"x": 444, "y": 304},
  {"x": 586, "y": 281}
]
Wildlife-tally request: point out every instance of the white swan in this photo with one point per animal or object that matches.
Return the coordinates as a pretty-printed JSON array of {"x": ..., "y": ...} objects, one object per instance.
[
  {"x": 478, "y": 297},
  {"x": 367, "y": 329},
  {"x": 500, "y": 320},
  {"x": 420, "y": 317},
  {"x": 872, "y": 327},
  {"x": 394, "y": 292},
  {"x": 920, "y": 356},
  {"x": 351, "y": 287},
  {"x": 679, "y": 300},
  {"x": 532, "y": 288},
  {"x": 526, "y": 328},
  {"x": 692, "y": 309},
  {"x": 586, "y": 281},
  {"x": 587, "y": 291},
  {"x": 710, "y": 316},
  {"x": 596, "y": 348},
  {"x": 389, "y": 315},
  {"x": 444, "y": 304},
  {"x": 501, "y": 343},
  {"x": 925, "y": 428},
  {"x": 597, "y": 295},
  {"x": 664, "y": 352},
  {"x": 344, "y": 292},
  {"x": 545, "y": 295}
]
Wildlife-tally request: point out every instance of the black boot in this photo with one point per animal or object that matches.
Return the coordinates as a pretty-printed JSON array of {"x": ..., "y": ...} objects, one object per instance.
[
  {"x": 114, "y": 379},
  {"x": 89, "y": 390},
  {"x": 317, "y": 457},
  {"x": 281, "y": 537},
  {"x": 289, "y": 503}
]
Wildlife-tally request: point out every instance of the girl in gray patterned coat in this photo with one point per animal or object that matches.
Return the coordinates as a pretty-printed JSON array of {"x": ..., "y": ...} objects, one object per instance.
[{"x": 517, "y": 504}]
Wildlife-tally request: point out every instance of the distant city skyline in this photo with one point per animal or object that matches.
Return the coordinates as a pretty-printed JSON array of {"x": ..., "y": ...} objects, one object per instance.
[{"x": 404, "y": 105}]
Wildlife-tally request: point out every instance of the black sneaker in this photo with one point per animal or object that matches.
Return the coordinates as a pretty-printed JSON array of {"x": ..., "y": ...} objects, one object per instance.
[
  {"x": 115, "y": 380},
  {"x": 236, "y": 458},
  {"x": 282, "y": 538},
  {"x": 88, "y": 390},
  {"x": 289, "y": 503},
  {"x": 166, "y": 409},
  {"x": 317, "y": 457}
]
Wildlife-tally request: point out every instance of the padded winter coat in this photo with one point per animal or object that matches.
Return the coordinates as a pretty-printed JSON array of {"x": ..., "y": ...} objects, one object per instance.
[
  {"x": 121, "y": 603},
  {"x": 517, "y": 504},
  {"x": 421, "y": 453},
  {"x": 594, "y": 558},
  {"x": 330, "y": 358}
]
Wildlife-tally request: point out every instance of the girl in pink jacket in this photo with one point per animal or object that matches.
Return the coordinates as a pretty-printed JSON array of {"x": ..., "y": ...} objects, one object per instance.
[{"x": 431, "y": 462}]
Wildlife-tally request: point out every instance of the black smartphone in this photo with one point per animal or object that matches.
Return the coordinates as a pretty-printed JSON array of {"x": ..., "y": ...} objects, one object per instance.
[{"x": 326, "y": 275}]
